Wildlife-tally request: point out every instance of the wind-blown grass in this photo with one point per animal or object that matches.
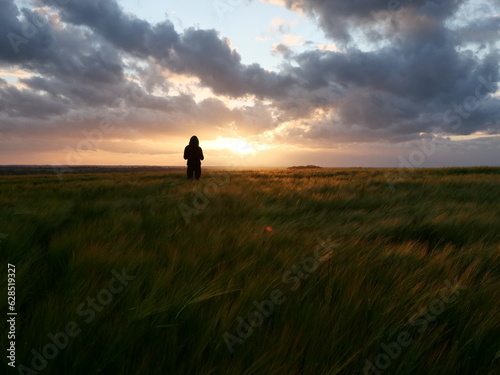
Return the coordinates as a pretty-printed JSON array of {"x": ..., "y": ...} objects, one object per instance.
[{"x": 396, "y": 247}]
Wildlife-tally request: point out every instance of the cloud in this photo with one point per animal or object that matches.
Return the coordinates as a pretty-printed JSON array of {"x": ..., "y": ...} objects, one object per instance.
[
  {"x": 423, "y": 80},
  {"x": 201, "y": 53},
  {"x": 423, "y": 73},
  {"x": 291, "y": 40},
  {"x": 483, "y": 31},
  {"x": 80, "y": 75},
  {"x": 15, "y": 103},
  {"x": 283, "y": 50},
  {"x": 338, "y": 18},
  {"x": 123, "y": 30}
]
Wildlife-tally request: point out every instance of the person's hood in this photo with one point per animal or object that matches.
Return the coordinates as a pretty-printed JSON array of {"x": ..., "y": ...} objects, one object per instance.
[{"x": 194, "y": 141}]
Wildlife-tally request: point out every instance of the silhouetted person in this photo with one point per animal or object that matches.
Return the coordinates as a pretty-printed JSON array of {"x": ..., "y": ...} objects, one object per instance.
[{"x": 194, "y": 155}]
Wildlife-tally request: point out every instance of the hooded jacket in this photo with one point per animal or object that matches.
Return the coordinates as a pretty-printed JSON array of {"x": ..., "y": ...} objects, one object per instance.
[{"x": 193, "y": 152}]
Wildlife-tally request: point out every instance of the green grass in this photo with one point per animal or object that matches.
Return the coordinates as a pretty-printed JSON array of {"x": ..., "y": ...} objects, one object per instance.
[{"x": 395, "y": 246}]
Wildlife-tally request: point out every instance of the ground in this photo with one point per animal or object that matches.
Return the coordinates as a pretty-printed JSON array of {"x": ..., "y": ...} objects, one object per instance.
[{"x": 324, "y": 271}]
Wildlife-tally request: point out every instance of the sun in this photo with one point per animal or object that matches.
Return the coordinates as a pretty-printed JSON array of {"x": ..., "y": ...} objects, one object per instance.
[{"x": 237, "y": 145}]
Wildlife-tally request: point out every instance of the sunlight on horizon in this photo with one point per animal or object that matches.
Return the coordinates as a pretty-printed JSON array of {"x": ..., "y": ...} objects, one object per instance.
[{"x": 237, "y": 145}]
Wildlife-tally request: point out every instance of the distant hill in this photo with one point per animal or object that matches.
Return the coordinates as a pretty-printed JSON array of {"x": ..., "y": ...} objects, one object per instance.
[{"x": 304, "y": 167}]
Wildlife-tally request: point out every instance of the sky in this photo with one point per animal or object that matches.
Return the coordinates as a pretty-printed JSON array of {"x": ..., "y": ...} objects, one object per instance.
[{"x": 379, "y": 83}]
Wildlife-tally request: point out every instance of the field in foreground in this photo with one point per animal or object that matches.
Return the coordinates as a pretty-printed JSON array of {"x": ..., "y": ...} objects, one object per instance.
[{"x": 250, "y": 272}]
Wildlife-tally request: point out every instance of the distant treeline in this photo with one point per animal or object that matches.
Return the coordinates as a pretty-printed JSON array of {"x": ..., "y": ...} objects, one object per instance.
[
  {"x": 304, "y": 167},
  {"x": 48, "y": 169}
]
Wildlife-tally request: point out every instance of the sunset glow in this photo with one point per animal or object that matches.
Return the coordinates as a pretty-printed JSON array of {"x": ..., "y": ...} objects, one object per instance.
[
  {"x": 238, "y": 146},
  {"x": 267, "y": 82}
]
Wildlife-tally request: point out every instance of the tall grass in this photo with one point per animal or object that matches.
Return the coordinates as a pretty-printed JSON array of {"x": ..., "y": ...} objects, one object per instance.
[{"x": 395, "y": 250}]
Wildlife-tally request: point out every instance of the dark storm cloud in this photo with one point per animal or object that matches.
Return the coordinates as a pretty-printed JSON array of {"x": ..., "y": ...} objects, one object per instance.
[
  {"x": 481, "y": 31},
  {"x": 400, "y": 83},
  {"x": 81, "y": 94},
  {"x": 18, "y": 28},
  {"x": 201, "y": 53},
  {"x": 69, "y": 62},
  {"x": 423, "y": 80},
  {"x": 26, "y": 103},
  {"x": 127, "y": 32},
  {"x": 337, "y": 17}
]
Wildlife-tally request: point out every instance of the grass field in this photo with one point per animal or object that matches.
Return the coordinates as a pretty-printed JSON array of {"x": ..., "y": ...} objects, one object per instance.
[{"x": 331, "y": 271}]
